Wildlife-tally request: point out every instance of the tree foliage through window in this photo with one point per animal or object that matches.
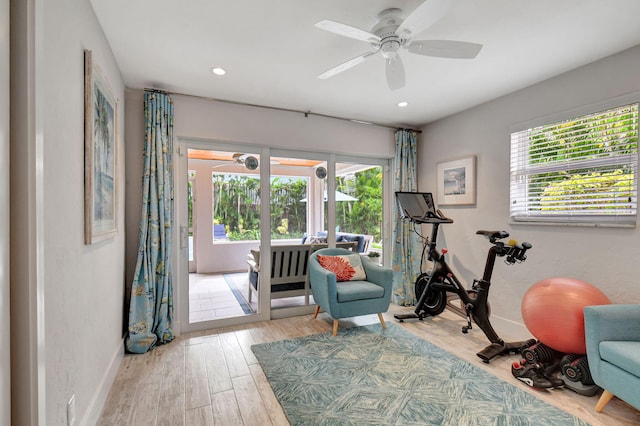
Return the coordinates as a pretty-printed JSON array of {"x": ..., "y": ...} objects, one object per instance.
[
  {"x": 237, "y": 206},
  {"x": 363, "y": 216},
  {"x": 582, "y": 169}
]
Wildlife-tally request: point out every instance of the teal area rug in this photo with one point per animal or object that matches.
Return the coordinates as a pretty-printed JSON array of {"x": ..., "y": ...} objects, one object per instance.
[{"x": 370, "y": 376}]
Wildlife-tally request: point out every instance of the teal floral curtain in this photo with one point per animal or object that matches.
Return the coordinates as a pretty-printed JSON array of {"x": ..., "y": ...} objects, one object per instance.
[
  {"x": 406, "y": 249},
  {"x": 151, "y": 308}
]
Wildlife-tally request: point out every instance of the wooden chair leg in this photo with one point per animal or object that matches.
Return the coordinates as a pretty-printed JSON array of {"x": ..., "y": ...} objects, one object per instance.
[
  {"x": 335, "y": 327},
  {"x": 317, "y": 311},
  {"x": 381, "y": 320},
  {"x": 604, "y": 400}
]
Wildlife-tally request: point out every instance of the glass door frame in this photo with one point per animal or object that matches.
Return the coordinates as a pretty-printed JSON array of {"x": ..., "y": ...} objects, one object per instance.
[
  {"x": 192, "y": 230},
  {"x": 331, "y": 160},
  {"x": 181, "y": 226},
  {"x": 312, "y": 217},
  {"x": 181, "y": 247},
  {"x": 387, "y": 195}
]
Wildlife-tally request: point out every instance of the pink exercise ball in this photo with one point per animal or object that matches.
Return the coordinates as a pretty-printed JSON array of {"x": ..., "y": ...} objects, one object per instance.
[{"x": 552, "y": 310}]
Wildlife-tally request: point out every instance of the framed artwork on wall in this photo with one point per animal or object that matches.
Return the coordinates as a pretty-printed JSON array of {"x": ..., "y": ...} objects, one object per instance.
[
  {"x": 457, "y": 181},
  {"x": 100, "y": 156}
]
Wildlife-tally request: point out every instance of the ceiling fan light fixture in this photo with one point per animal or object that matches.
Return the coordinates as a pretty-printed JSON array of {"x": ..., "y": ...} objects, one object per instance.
[
  {"x": 251, "y": 162},
  {"x": 390, "y": 47},
  {"x": 403, "y": 104},
  {"x": 218, "y": 71},
  {"x": 321, "y": 172},
  {"x": 248, "y": 160}
]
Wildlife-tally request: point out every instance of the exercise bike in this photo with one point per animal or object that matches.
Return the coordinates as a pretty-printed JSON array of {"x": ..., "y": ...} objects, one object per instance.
[{"x": 433, "y": 286}]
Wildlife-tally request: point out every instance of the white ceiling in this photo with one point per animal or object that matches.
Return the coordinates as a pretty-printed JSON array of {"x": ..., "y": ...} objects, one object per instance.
[{"x": 273, "y": 53}]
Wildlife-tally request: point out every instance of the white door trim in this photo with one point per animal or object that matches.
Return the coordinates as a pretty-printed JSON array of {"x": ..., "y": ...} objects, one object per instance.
[{"x": 28, "y": 358}]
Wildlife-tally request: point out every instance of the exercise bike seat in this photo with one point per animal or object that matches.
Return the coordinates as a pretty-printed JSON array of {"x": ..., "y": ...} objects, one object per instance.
[{"x": 493, "y": 235}]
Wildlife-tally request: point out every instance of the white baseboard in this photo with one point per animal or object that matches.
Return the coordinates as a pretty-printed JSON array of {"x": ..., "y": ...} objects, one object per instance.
[{"x": 100, "y": 397}]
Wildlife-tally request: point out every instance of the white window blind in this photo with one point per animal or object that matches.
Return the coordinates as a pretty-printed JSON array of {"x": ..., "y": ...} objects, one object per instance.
[{"x": 581, "y": 170}]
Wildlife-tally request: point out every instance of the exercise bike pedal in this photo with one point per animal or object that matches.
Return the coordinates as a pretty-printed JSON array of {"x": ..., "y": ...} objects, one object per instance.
[
  {"x": 491, "y": 351},
  {"x": 402, "y": 317}
]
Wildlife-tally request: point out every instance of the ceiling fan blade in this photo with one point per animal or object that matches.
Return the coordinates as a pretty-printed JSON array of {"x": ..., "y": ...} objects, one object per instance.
[
  {"x": 345, "y": 65},
  {"x": 347, "y": 31},
  {"x": 445, "y": 48},
  {"x": 394, "y": 71},
  {"x": 425, "y": 15}
]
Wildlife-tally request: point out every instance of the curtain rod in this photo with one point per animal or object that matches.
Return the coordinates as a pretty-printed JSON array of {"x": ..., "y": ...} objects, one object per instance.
[
  {"x": 305, "y": 113},
  {"x": 164, "y": 92}
]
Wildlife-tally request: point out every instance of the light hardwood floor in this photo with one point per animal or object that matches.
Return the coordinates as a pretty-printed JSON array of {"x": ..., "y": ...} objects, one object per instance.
[{"x": 213, "y": 378}]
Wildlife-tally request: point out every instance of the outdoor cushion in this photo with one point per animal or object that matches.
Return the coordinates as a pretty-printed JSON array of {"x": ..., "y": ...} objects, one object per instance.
[
  {"x": 314, "y": 240},
  {"x": 256, "y": 258},
  {"x": 359, "y": 239},
  {"x": 341, "y": 237}
]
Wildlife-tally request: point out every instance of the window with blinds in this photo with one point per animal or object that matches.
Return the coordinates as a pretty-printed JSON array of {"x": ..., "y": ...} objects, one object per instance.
[{"x": 581, "y": 170}]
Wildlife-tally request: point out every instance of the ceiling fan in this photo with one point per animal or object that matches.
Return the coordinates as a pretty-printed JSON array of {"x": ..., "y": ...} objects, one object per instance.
[
  {"x": 249, "y": 161},
  {"x": 391, "y": 33}
]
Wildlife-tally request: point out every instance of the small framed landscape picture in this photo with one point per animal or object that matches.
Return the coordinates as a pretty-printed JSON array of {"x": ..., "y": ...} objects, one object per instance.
[
  {"x": 100, "y": 144},
  {"x": 457, "y": 181}
]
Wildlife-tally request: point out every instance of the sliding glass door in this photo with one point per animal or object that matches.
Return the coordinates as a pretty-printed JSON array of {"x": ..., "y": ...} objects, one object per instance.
[
  {"x": 297, "y": 180},
  {"x": 223, "y": 209},
  {"x": 359, "y": 205},
  {"x": 249, "y": 217}
]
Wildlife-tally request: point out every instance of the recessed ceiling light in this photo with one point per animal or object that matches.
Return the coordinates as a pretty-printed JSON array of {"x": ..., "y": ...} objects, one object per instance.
[
  {"x": 403, "y": 104},
  {"x": 218, "y": 71}
]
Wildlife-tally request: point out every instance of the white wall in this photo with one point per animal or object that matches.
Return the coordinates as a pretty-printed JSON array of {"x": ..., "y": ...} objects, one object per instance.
[
  {"x": 605, "y": 257},
  {"x": 5, "y": 361},
  {"x": 82, "y": 285},
  {"x": 201, "y": 119}
]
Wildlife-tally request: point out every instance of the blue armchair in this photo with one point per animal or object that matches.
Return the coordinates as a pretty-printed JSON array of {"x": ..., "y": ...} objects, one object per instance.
[
  {"x": 349, "y": 298},
  {"x": 612, "y": 334}
]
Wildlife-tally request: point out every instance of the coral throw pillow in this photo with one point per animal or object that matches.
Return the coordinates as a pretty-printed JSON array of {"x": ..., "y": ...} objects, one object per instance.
[{"x": 346, "y": 267}]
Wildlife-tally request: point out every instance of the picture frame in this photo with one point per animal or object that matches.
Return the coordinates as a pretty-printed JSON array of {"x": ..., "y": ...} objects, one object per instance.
[
  {"x": 100, "y": 155},
  {"x": 456, "y": 181}
]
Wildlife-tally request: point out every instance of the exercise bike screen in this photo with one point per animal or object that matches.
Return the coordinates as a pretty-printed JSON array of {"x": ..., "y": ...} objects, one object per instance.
[{"x": 415, "y": 204}]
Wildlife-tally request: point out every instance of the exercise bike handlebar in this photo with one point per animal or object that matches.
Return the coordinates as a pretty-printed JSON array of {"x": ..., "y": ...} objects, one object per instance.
[
  {"x": 517, "y": 253},
  {"x": 513, "y": 251}
]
